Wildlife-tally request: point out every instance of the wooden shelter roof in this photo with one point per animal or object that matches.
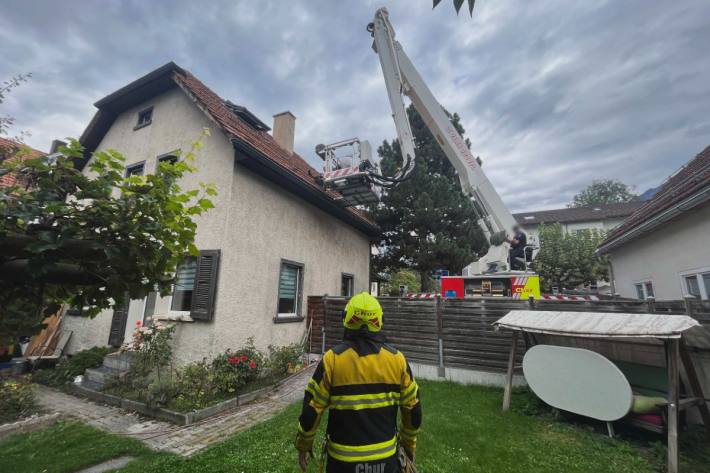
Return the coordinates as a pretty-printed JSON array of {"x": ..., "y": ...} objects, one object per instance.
[{"x": 597, "y": 325}]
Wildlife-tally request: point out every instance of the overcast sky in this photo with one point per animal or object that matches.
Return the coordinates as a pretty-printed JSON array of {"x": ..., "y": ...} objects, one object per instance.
[{"x": 552, "y": 93}]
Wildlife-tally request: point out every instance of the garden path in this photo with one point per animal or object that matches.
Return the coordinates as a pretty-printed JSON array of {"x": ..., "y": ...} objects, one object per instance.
[{"x": 183, "y": 440}]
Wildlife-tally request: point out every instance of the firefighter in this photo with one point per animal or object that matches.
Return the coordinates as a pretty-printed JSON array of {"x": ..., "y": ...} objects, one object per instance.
[
  {"x": 363, "y": 381},
  {"x": 517, "y": 248}
]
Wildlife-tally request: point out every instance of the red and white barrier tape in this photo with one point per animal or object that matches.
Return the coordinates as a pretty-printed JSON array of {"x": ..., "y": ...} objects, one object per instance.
[
  {"x": 424, "y": 295},
  {"x": 561, "y": 297},
  {"x": 341, "y": 172}
]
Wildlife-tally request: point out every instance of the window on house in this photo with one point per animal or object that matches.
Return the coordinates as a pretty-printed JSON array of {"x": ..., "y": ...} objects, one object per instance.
[
  {"x": 692, "y": 285},
  {"x": 135, "y": 169},
  {"x": 145, "y": 118},
  {"x": 644, "y": 290},
  {"x": 184, "y": 285},
  {"x": 639, "y": 290},
  {"x": 168, "y": 159},
  {"x": 346, "y": 284},
  {"x": 706, "y": 283},
  {"x": 290, "y": 287},
  {"x": 649, "y": 289}
]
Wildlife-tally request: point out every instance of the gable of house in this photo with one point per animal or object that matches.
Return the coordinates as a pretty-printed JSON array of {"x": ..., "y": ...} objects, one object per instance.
[
  {"x": 254, "y": 147},
  {"x": 683, "y": 191}
]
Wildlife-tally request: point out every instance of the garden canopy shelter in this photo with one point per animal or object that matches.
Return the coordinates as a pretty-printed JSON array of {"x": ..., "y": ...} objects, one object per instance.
[{"x": 667, "y": 329}]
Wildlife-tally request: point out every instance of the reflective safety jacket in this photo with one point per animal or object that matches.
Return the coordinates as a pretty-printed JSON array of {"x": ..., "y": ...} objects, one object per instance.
[{"x": 363, "y": 382}]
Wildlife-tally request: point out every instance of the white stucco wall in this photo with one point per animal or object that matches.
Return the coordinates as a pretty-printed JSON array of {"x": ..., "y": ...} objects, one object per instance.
[
  {"x": 664, "y": 255},
  {"x": 254, "y": 224},
  {"x": 533, "y": 231}
]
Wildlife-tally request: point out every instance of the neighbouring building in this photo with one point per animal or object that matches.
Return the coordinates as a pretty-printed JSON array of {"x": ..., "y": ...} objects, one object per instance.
[
  {"x": 662, "y": 249},
  {"x": 274, "y": 236},
  {"x": 10, "y": 149},
  {"x": 598, "y": 217}
]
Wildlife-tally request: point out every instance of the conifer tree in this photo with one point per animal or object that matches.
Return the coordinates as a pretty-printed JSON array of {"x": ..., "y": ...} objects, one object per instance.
[{"x": 427, "y": 222}]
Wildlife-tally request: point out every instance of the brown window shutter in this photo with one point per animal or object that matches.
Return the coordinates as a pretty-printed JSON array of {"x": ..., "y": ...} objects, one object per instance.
[
  {"x": 205, "y": 291},
  {"x": 118, "y": 323}
]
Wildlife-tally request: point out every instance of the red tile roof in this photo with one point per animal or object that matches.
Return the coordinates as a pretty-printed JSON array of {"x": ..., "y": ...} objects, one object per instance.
[
  {"x": 260, "y": 140},
  {"x": 10, "y": 147},
  {"x": 689, "y": 180}
]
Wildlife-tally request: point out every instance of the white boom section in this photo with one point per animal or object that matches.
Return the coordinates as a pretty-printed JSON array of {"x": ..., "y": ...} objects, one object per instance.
[{"x": 401, "y": 77}]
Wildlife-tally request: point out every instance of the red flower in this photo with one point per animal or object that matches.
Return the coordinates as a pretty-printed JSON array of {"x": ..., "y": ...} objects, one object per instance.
[
  {"x": 245, "y": 358},
  {"x": 138, "y": 323},
  {"x": 252, "y": 365},
  {"x": 233, "y": 360}
]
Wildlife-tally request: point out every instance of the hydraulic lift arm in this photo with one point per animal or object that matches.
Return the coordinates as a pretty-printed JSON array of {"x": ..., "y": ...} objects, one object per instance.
[{"x": 402, "y": 78}]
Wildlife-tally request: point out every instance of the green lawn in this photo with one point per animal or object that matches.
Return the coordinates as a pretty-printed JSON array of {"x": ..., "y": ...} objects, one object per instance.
[{"x": 464, "y": 431}]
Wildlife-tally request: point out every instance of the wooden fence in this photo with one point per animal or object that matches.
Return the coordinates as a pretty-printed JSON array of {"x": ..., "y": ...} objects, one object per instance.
[{"x": 458, "y": 333}]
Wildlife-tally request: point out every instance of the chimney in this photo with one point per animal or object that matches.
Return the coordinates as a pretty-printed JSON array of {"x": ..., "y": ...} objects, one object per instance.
[{"x": 284, "y": 129}]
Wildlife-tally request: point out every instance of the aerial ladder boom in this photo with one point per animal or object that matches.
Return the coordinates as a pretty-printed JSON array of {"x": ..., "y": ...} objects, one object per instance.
[{"x": 402, "y": 78}]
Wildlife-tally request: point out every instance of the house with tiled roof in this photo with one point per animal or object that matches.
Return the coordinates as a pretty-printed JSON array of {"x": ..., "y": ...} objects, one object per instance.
[
  {"x": 274, "y": 236},
  {"x": 603, "y": 217},
  {"x": 13, "y": 150},
  {"x": 661, "y": 250}
]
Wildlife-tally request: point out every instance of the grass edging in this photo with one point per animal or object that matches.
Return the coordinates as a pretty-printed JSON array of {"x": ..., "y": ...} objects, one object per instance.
[
  {"x": 179, "y": 418},
  {"x": 30, "y": 424}
]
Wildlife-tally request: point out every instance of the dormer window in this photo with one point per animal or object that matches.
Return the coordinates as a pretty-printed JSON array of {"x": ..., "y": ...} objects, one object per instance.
[{"x": 145, "y": 118}]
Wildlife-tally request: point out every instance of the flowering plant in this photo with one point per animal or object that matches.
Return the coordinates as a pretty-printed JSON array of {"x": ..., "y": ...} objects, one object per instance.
[
  {"x": 236, "y": 368},
  {"x": 151, "y": 346},
  {"x": 145, "y": 335}
]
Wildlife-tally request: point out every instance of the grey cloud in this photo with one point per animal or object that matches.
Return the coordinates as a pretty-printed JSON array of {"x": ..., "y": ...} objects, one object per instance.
[{"x": 552, "y": 93}]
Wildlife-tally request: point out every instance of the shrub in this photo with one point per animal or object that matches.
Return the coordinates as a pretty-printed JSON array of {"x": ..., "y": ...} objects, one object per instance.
[
  {"x": 17, "y": 400},
  {"x": 83, "y": 360},
  {"x": 285, "y": 359},
  {"x": 234, "y": 369},
  {"x": 196, "y": 386},
  {"x": 159, "y": 392},
  {"x": 71, "y": 367}
]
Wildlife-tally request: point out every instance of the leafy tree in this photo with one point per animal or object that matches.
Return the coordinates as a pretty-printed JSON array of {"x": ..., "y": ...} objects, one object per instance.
[
  {"x": 458, "y": 4},
  {"x": 404, "y": 277},
  {"x": 427, "y": 222},
  {"x": 568, "y": 260},
  {"x": 90, "y": 239},
  {"x": 610, "y": 191}
]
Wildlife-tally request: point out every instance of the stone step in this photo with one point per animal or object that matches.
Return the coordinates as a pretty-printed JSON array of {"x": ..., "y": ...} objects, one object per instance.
[
  {"x": 118, "y": 361},
  {"x": 91, "y": 385},
  {"x": 101, "y": 375}
]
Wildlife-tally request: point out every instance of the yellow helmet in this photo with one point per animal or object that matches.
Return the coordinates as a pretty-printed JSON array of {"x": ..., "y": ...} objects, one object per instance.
[{"x": 363, "y": 310}]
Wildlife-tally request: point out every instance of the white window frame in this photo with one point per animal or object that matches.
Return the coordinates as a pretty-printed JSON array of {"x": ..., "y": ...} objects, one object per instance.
[
  {"x": 643, "y": 283},
  {"x": 351, "y": 277},
  {"x": 177, "y": 313},
  {"x": 167, "y": 157},
  {"x": 129, "y": 171},
  {"x": 296, "y": 315},
  {"x": 698, "y": 273}
]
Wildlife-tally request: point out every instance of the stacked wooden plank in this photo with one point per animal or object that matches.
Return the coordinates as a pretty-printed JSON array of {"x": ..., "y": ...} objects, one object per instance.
[{"x": 45, "y": 342}]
